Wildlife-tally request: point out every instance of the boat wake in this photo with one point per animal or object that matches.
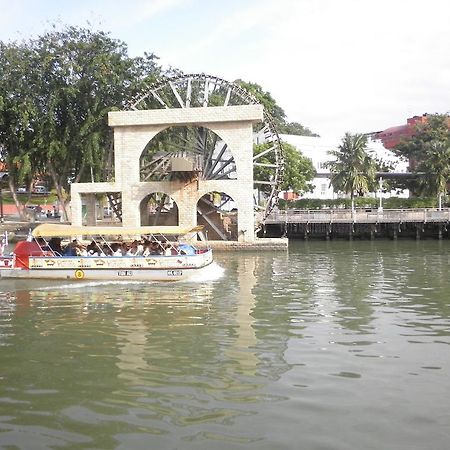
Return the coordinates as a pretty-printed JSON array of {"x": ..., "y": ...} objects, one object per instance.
[{"x": 212, "y": 272}]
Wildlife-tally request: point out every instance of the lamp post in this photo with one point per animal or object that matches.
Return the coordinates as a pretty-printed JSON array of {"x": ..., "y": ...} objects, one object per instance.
[
  {"x": 380, "y": 197},
  {"x": 2, "y": 219}
]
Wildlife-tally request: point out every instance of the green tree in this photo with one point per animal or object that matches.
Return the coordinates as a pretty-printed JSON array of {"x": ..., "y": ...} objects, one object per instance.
[
  {"x": 18, "y": 114},
  {"x": 436, "y": 128},
  {"x": 435, "y": 166},
  {"x": 59, "y": 101},
  {"x": 353, "y": 168},
  {"x": 428, "y": 152},
  {"x": 295, "y": 128}
]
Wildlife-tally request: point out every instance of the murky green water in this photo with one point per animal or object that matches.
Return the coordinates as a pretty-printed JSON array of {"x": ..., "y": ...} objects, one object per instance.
[{"x": 334, "y": 346}]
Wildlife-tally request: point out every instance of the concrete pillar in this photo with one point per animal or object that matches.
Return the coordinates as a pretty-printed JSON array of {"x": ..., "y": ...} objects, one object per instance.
[
  {"x": 418, "y": 232},
  {"x": 76, "y": 209},
  {"x": 91, "y": 210}
]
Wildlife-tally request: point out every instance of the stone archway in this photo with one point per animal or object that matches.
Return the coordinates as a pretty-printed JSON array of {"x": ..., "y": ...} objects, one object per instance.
[
  {"x": 157, "y": 208},
  {"x": 134, "y": 129}
]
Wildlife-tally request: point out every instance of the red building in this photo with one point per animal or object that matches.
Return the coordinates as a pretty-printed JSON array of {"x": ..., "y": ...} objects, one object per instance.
[{"x": 392, "y": 136}]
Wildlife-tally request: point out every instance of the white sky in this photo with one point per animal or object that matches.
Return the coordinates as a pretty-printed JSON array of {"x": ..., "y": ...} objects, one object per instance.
[{"x": 332, "y": 65}]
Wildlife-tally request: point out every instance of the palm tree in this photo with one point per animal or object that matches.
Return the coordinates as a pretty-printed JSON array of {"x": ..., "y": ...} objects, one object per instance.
[
  {"x": 435, "y": 166},
  {"x": 353, "y": 168}
]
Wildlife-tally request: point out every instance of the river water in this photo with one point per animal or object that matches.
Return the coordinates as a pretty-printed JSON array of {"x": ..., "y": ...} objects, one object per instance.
[{"x": 332, "y": 345}]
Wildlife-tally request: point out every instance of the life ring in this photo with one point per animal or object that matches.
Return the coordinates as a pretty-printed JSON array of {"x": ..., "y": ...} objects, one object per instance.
[{"x": 79, "y": 274}]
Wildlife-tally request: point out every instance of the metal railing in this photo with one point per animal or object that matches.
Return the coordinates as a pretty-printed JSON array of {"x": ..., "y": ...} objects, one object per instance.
[{"x": 359, "y": 215}]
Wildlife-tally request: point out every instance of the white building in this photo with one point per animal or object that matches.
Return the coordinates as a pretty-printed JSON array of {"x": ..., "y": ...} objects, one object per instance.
[{"x": 317, "y": 148}]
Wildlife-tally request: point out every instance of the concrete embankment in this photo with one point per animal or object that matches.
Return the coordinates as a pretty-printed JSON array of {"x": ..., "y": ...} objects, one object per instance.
[{"x": 259, "y": 244}]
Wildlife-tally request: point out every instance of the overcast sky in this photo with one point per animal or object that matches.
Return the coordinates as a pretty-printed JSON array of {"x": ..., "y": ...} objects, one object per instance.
[{"x": 332, "y": 65}]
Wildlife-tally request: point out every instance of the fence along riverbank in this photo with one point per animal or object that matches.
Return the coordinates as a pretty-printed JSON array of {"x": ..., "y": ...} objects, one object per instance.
[{"x": 359, "y": 223}]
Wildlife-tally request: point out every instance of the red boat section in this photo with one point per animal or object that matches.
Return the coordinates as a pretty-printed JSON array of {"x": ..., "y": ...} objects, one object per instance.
[{"x": 24, "y": 250}]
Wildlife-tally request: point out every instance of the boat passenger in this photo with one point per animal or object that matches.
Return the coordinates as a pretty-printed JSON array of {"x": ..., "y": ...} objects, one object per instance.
[
  {"x": 55, "y": 246},
  {"x": 125, "y": 247},
  {"x": 116, "y": 249},
  {"x": 71, "y": 249},
  {"x": 106, "y": 250},
  {"x": 140, "y": 249},
  {"x": 132, "y": 251},
  {"x": 147, "y": 250},
  {"x": 156, "y": 249},
  {"x": 93, "y": 249}
]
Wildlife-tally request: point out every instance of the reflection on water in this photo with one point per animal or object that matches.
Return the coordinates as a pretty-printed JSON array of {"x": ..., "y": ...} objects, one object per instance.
[{"x": 333, "y": 345}]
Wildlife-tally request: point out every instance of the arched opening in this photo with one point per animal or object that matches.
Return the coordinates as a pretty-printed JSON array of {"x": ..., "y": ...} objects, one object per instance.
[
  {"x": 101, "y": 207},
  {"x": 217, "y": 212},
  {"x": 158, "y": 208},
  {"x": 187, "y": 153}
]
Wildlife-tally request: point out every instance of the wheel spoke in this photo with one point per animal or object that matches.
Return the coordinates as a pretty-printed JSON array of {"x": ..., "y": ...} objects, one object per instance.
[
  {"x": 219, "y": 156},
  {"x": 160, "y": 100},
  {"x": 206, "y": 93},
  {"x": 177, "y": 95},
  {"x": 227, "y": 97},
  {"x": 188, "y": 93},
  {"x": 225, "y": 164}
]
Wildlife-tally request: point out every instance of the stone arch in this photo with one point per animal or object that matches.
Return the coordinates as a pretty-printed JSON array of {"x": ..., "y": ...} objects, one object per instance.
[
  {"x": 158, "y": 208},
  {"x": 187, "y": 152},
  {"x": 218, "y": 213}
]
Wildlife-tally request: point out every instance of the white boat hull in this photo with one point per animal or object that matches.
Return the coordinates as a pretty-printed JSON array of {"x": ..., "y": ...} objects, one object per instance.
[{"x": 153, "y": 268}]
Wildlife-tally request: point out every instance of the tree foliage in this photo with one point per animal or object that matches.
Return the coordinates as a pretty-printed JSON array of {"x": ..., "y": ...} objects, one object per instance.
[
  {"x": 353, "y": 168},
  {"x": 296, "y": 129},
  {"x": 55, "y": 93},
  {"x": 428, "y": 151}
]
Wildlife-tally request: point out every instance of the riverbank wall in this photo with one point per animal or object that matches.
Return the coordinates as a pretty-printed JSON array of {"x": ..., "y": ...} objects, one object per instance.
[{"x": 359, "y": 224}]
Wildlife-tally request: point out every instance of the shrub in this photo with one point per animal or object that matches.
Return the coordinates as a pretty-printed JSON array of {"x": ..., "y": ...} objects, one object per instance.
[{"x": 360, "y": 202}]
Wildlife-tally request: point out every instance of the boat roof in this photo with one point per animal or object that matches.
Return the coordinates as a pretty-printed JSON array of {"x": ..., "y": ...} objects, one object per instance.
[{"x": 57, "y": 230}]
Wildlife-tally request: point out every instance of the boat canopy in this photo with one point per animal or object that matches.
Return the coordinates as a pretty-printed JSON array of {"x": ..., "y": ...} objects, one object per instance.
[{"x": 55, "y": 230}]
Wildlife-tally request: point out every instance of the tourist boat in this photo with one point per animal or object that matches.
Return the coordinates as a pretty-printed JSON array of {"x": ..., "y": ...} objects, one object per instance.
[{"x": 177, "y": 254}]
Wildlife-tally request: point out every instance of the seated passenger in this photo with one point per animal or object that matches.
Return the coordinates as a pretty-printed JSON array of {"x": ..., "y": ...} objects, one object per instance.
[
  {"x": 55, "y": 246},
  {"x": 93, "y": 249},
  {"x": 125, "y": 247},
  {"x": 116, "y": 249},
  {"x": 140, "y": 249},
  {"x": 147, "y": 250},
  {"x": 155, "y": 248},
  {"x": 132, "y": 251},
  {"x": 71, "y": 249},
  {"x": 106, "y": 250}
]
